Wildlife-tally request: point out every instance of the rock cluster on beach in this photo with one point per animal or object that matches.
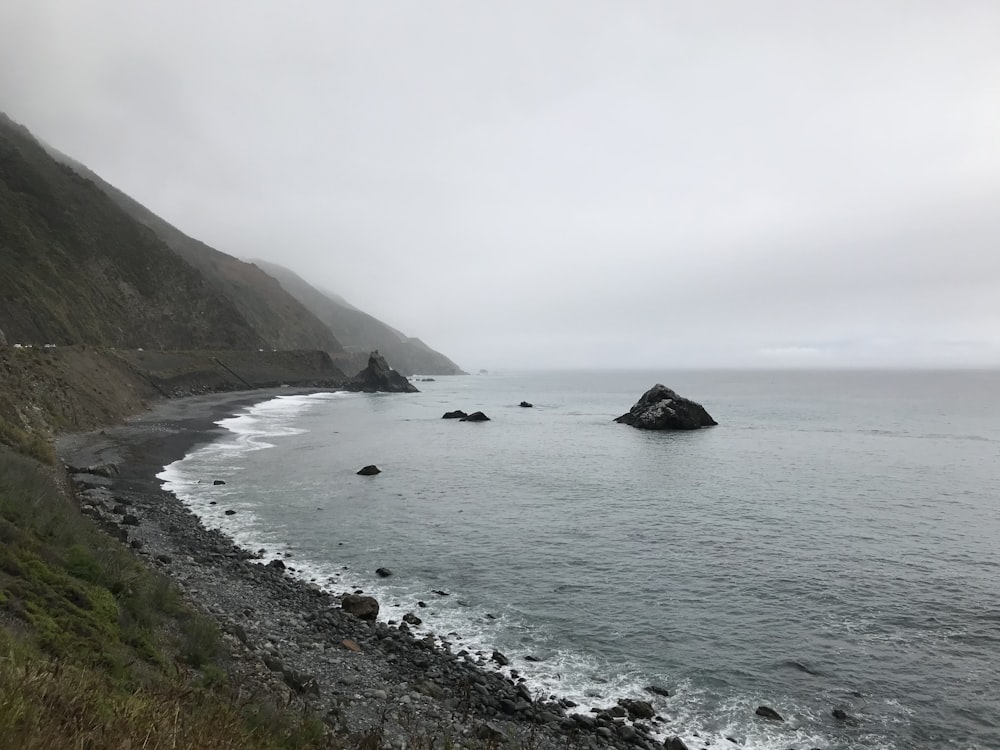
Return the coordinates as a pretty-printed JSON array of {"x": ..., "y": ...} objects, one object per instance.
[{"x": 660, "y": 408}]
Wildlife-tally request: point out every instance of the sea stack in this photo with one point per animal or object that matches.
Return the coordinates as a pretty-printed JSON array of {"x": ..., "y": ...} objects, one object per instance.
[
  {"x": 378, "y": 376},
  {"x": 662, "y": 409}
]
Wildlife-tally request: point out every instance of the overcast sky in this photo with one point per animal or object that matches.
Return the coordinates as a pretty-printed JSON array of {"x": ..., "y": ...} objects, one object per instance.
[{"x": 563, "y": 183}]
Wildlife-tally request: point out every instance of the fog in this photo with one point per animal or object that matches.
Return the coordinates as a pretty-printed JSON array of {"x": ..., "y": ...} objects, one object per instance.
[{"x": 563, "y": 184}]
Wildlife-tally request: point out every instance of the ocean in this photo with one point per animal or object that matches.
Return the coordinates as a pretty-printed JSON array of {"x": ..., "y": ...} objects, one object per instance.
[{"x": 833, "y": 544}]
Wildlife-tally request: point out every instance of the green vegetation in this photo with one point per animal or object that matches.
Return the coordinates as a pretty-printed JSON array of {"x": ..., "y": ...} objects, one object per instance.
[
  {"x": 51, "y": 705},
  {"x": 28, "y": 443},
  {"x": 101, "y": 652}
]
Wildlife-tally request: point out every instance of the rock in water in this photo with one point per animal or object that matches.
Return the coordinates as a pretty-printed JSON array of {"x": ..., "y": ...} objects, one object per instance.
[
  {"x": 378, "y": 376},
  {"x": 526, "y": 405},
  {"x": 369, "y": 471},
  {"x": 768, "y": 713},
  {"x": 363, "y": 607},
  {"x": 662, "y": 409},
  {"x": 457, "y": 414},
  {"x": 476, "y": 416}
]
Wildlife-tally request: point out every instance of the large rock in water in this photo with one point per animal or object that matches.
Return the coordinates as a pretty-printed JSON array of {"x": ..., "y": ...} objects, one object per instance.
[
  {"x": 378, "y": 376},
  {"x": 662, "y": 409}
]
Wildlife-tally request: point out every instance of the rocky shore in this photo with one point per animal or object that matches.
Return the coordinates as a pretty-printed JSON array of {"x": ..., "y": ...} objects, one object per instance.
[{"x": 287, "y": 639}]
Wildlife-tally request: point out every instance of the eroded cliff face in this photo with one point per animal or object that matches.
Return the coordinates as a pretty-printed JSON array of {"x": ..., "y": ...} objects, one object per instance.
[{"x": 73, "y": 388}]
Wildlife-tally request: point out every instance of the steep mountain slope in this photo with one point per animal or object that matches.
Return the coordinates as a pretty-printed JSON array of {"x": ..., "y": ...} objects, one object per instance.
[
  {"x": 360, "y": 332},
  {"x": 75, "y": 269},
  {"x": 281, "y": 320}
]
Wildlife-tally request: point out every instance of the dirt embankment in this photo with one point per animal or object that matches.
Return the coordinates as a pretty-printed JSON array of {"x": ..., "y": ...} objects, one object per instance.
[{"x": 73, "y": 388}]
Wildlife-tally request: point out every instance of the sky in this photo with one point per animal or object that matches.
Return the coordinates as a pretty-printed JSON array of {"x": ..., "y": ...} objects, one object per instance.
[{"x": 563, "y": 184}]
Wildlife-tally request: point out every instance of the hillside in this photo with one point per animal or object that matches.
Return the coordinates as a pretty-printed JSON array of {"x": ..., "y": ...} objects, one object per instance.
[
  {"x": 280, "y": 319},
  {"x": 360, "y": 332},
  {"x": 75, "y": 269}
]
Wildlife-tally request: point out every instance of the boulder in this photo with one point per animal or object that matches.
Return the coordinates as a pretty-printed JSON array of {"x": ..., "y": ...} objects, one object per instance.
[
  {"x": 662, "y": 409},
  {"x": 383, "y": 572},
  {"x": 108, "y": 471},
  {"x": 411, "y": 619},
  {"x": 362, "y": 607},
  {"x": 476, "y": 416},
  {"x": 369, "y": 471},
  {"x": 769, "y": 713},
  {"x": 457, "y": 414},
  {"x": 300, "y": 682},
  {"x": 217, "y": 482},
  {"x": 637, "y": 709},
  {"x": 674, "y": 743},
  {"x": 526, "y": 405},
  {"x": 378, "y": 376}
]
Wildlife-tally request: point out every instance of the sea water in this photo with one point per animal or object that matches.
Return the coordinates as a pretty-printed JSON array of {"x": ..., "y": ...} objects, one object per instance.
[{"x": 833, "y": 543}]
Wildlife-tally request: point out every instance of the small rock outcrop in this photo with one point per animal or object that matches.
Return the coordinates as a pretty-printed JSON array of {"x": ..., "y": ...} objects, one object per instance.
[
  {"x": 769, "y": 713},
  {"x": 362, "y": 607},
  {"x": 662, "y": 409},
  {"x": 457, "y": 414},
  {"x": 526, "y": 405},
  {"x": 369, "y": 471},
  {"x": 476, "y": 416},
  {"x": 378, "y": 376},
  {"x": 637, "y": 709},
  {"x": 383, "y": 572}
]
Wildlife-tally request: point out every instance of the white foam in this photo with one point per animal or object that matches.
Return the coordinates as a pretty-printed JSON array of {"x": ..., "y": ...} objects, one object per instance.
[{"x": 251, "y": 430}]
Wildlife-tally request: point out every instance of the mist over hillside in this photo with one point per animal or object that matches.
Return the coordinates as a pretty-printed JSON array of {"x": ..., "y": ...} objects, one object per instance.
[
  {"x": 74, "y": 268},
  {"x": 360, "y": 332},
  {"x": 82, "y": 262}
]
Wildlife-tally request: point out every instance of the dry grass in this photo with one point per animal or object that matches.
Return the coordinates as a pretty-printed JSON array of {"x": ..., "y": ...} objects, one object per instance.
[{"x": 48, "y": 705}]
